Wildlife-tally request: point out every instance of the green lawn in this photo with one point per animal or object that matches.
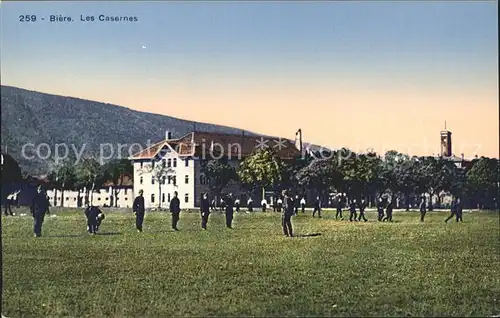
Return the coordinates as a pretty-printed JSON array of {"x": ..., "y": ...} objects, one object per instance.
[{"x": 376, "y": 269}]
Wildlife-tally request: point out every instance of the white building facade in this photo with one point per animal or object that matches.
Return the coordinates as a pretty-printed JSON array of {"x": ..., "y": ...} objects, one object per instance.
[{"x": 183, "y": 159}]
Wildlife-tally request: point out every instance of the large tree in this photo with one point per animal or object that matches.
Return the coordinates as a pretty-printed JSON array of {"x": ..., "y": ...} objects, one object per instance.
[
  {"x": 89, "y": 175},
  {"x": 483, "y": 179},
  {"x": 63, "y": 177},
  {"x": 218, "y": 173},
  {"x": 116, "y": 171},
  {"x": 262, "y": 169},
  {"x": 320, "y": 175}
]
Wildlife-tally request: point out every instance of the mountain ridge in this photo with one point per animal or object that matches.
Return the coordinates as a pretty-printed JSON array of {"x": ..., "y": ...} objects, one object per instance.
[{"x": 44, "y": 120}]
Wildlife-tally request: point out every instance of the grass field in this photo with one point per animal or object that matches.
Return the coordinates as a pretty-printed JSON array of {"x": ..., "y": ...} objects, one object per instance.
[{"x": 372, "y": 269}]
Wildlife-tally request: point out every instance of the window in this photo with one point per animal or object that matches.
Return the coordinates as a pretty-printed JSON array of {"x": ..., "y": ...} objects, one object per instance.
[
  {"x": 152, "y": 198},
  {"x": 152, "y": 163},
  {"x": 169, "y": 179},
  {"x": 186, "y": 198},
  {"x": 186, "y": 179},
  {"x": 152, "y": 180},
  {"x": 142, "y": 164},
  {"x": 186, "y": 162},
  {"x": 175, "y": 162},
  {"x": 126, "y": 191},
  {"x": 163, "y": 197},
  {"x": 106, "y": 199},
  {"x": 168, "y": 198},
  {"x": 164, "y": 178},
  {"x": 169, "y": 162},
  {"x": 67, "y": 198},
  {"x": 74, "y": 199},
  {"x": 140, "y": 180},
  {"x": 174, "y": 180},
  {"x": 98, "y": 199},
  {"x": 163, "y": 163},
  {"x": 125, "y": 198}
]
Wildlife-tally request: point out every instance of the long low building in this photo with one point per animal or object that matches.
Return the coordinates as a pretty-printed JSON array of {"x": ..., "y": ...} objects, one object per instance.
[
  {"x": 183, "y": 158},
  {"x": 104, "y": 197}
]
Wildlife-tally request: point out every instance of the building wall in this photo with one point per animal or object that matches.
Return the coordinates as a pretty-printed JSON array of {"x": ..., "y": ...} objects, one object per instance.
[
  {"x": 100, "y": 197},
  {"x": 143, "y": 179}
]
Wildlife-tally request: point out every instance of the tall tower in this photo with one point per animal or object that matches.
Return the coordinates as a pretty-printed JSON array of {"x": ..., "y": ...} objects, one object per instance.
[{"x": 445, "y": 142}]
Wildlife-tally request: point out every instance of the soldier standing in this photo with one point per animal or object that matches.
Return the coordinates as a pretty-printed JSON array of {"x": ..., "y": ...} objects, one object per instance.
[
  {"x": 280, "y": 204},
  {"x": 229, "y": 211},
  {"x": 205, "y": 211},
  {"x": 263, "y": 203},
  {"x": 388, "y": 210},
  {"x": 39, "y": 207},
  {"x": 250, "y": 204},
  {"x": 175, "y": 209},
  {"x": 317, "y": 207},
  {"x": 380, "y": 209},
  {"x": 296, "y": 205},
  {"x": 138, "y": 209},
  {"x": 456, "y": 211},
  {"x": 362, "y": 207},
  {"x": 423, "y": 209},
  {"x": 352, "y": 210},
  {"x": 237, "y": 204},
  {"x": 7, "y": 205},
  {"x": 303, "y": 204},
  {"x": 340, "y": 205},
  {"x": 286, "y": 215}
]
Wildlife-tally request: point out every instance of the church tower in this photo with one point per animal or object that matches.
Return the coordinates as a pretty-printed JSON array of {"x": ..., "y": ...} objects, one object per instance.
[{"x": 445, "y": 142}]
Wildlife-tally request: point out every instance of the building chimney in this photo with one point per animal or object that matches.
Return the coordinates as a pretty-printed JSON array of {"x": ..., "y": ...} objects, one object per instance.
[{"x": 168, "y": 135}]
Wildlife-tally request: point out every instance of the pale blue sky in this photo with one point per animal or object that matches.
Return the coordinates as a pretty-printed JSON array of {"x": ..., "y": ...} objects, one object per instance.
[{"x": 223, "y": 54}]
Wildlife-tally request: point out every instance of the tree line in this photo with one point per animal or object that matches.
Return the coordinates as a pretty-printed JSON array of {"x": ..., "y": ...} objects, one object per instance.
[{"x": 366, "y": 175}]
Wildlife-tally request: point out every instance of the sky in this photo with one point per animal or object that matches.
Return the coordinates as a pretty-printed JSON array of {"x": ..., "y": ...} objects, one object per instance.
[{"x": 378, "y": 75}]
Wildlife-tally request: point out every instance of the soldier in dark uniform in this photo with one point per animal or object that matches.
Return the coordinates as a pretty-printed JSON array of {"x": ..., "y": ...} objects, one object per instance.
[
  {"x": 362, "y": 207},
  {"x": 459, "y": 210},
  {"x": 212, "y": 205},
  {"x": 380, "y": 209},
  {"x": 205, "y": 211},
  {"x": 352, "y": 210},
  {"x": 317, "y": 207},
  {"x": 263, "y": 203},
  {"x": 296, "y": 205},
  {"x": 423, "y": 209},
  {"x": 250, "y": 205},
  {"x": 456, "y": 211},
  {"x": 7, "y": 205},
  {"x": 388, "y": 210},
  {"x": 237, "y": 204},
  {"x": 280, "y": 204},
  {"x": 175, "y": 209},
  {"x": 229, "y": 210},
  {"x": 340, "y": 205},
  {"x": 139, "y": 210},
  {"x": 93, "y": 219},
  {"x": 39, "y": 207},
  {"x": 286, "y": 215}
]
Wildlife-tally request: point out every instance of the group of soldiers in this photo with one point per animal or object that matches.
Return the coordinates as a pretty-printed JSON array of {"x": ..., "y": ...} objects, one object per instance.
[{"x": 287, "y": 205}]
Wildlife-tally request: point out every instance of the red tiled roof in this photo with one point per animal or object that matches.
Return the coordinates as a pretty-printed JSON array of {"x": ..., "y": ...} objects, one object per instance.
[{"x": 204, "y": 144}]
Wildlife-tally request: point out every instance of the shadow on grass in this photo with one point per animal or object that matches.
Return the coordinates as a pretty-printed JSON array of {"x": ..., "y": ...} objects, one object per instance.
[
  {"x": 308, "y": 235},
  {"x": 109, "y": 233},
  {"x": 65, "y": 235}
]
